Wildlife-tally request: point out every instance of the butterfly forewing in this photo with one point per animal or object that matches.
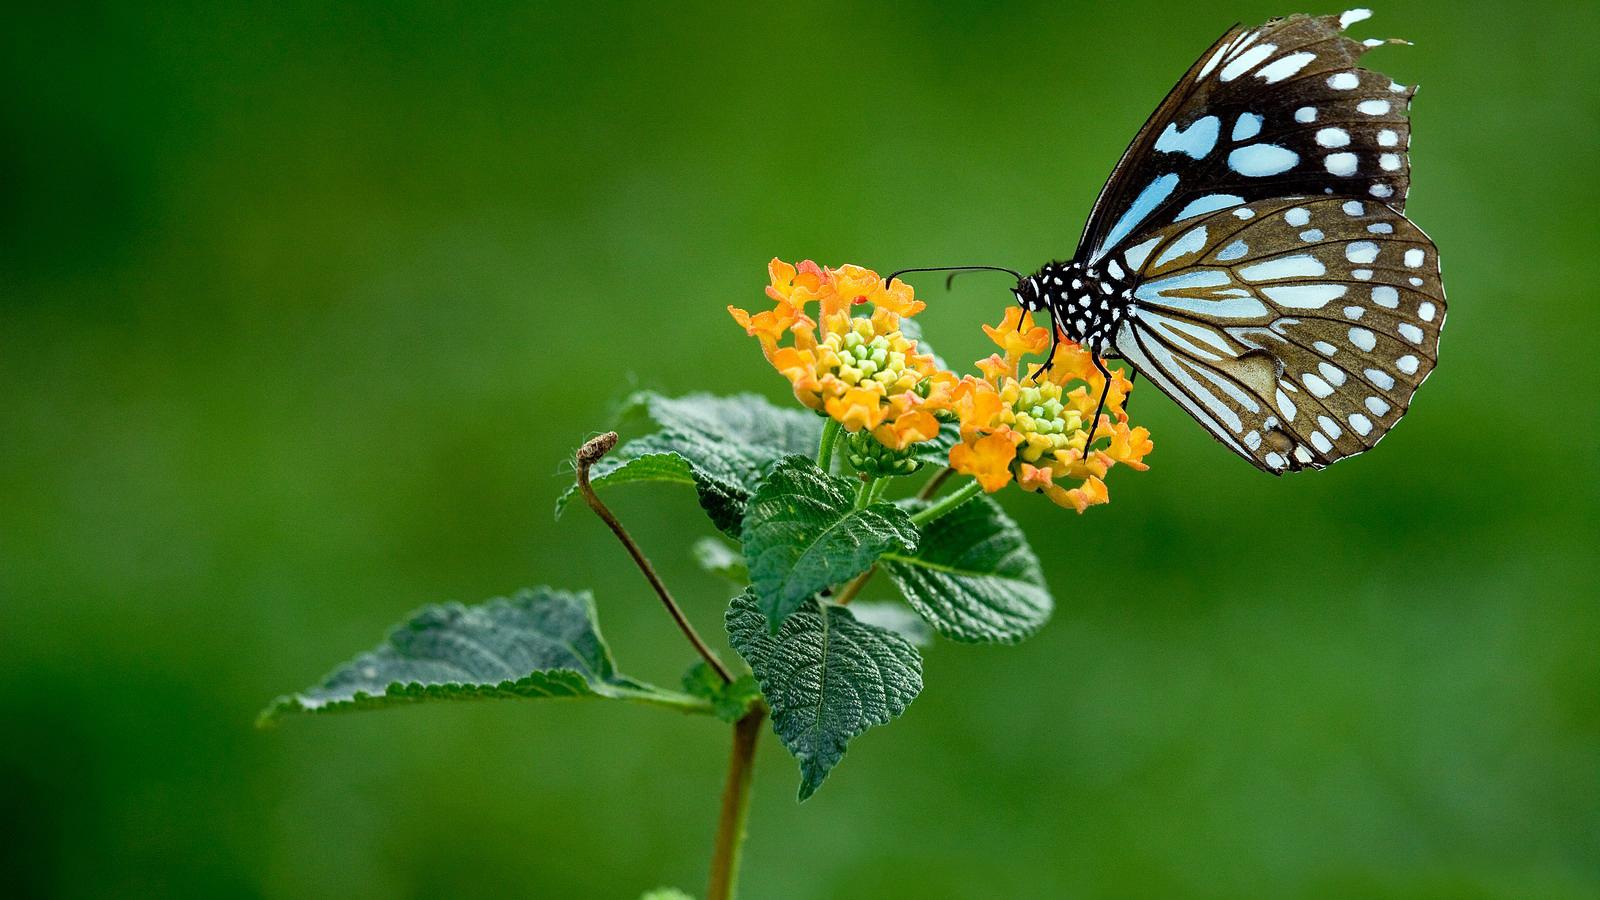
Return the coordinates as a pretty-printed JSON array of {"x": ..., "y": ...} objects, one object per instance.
[
  {"x": 1294, "y": 329},
  {"x": 1279, "y": 110}
]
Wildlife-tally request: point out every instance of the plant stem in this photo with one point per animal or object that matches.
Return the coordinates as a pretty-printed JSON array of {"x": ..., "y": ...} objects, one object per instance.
[
  {"x": 865, "y": 491},
  {"x": 591, "y": 453},
  {"x": 947, "y": 503},
  {"x": 933, "y": 484},
  {"x": 854, "y": 586},
  {"x": 830, "y": 436},
  {"x": 735, "y": 806}
]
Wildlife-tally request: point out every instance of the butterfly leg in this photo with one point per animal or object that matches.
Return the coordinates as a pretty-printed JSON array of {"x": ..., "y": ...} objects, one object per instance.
[
  {"x": 1105, "y": 390},
  {"x": 1050, "y": 360}
]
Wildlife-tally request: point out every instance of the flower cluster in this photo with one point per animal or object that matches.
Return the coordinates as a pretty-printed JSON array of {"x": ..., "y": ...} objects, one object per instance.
[
  {"x": 1030, "y": 426},
  {"x": 860, "y": 370},
  {"x": 1033, "y": 428}
]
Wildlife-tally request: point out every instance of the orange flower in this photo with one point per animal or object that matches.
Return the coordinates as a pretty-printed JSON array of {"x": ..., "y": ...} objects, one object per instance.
[
  {"x": 859, "y": 370},
  {"x": 1033, "y": 431}
]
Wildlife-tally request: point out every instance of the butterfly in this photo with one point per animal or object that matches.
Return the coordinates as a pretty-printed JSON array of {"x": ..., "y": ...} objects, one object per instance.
[{"x": 1250, "y": 255}]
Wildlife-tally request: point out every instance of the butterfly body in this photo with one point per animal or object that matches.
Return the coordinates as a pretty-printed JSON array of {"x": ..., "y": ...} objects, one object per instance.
[
  {"x": 1086, "y": 302},
  {"x": 1250, "y": 254}
]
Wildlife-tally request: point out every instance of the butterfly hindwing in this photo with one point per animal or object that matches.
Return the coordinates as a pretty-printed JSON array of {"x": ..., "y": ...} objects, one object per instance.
[
  {"x": 1294, "y": 329},
  {"x": 1279, "y": 110}
]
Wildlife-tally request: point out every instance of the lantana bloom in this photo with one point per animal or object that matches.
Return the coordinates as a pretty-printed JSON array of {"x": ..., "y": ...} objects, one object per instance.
[
  {"x": 862, "y": 371},
  {"x": 1031, "y": 426}
]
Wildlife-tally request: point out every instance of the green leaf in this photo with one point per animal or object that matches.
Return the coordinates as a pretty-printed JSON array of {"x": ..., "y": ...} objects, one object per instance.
[
  {"x": 974, "y": 577},
  {"x": 936, "y": 452},
  {"x": 729, "y": 700},
  {"x": 540, "y": 643},
  {"x": 802, "y": 534},
  {"x": 826, "y": 676},
  {"x": 718, "y": 558},
  {"x": 722, "y": 445},
  {"x": 893, "y": 617}
]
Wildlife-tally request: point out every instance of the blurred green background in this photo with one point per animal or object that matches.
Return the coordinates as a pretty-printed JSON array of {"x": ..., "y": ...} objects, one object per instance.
[{"x": 303, "y": 306}]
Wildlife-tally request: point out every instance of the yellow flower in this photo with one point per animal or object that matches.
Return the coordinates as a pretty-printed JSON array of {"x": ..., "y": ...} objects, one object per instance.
[
  {"x": 1033, "y": 430},
  {"x": 860, "y": 370}
]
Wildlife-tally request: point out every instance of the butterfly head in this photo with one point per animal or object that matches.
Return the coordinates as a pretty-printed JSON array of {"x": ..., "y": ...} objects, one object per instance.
[{"x": 1030, "y": 293}]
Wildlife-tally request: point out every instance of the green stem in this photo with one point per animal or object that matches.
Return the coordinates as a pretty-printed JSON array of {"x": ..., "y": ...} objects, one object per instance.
[
  {"x": 947, "y": 503},
  {"x": 830, "y": 436},
  {"x": 672, "y": 700},
  {"x": 867, "y": 491},
  {"x": 735, "y": 806}
]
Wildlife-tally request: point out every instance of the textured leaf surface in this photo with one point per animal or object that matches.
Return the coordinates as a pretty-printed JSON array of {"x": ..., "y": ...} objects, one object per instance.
[
  {"x": 974, "y": 577},
  {"x": 731, "y": 700},
  {"x": 802, "y": 535},
  {"x": 722, "y": 445},
  {"x": 827, "y": 678},
  {"x": 893, "y": 617},
  {"x": 716, "y": 557},
  {"x": 540, "y": 643}
]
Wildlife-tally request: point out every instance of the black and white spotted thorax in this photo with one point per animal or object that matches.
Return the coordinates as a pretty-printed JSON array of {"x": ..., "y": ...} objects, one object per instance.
[{"x": 1085, "y": 302}]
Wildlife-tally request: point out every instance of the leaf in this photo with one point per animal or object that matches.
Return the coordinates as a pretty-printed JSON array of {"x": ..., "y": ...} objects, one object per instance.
[
  {"x": 540, "y": 643},
  {"x": 718, "y": 558},
  {"x": 974, "y": 577},
  {"x": 826, "y": 676},
  {"x": 722, "y": 445},
  {"x": 936, "y": 452},
  {"x": 729, "y": 700},
  {"x": 802, "y": 534},
  {"x": 893, "y": 617}
]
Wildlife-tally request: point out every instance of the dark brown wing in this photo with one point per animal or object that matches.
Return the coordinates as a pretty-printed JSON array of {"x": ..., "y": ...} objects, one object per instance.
[
  {"x": 1279, "y": 110},
  {"x": 1294, "y": 329}
]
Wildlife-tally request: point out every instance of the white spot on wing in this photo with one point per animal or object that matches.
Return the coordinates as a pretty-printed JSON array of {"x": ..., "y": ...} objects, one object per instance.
[
  {"x": 1363, "y": 339},
  {"x": 1247, "y": 126},
  {"x": 1333, "y": 137},
  {"x": 1407, "y": 364},
  {"x": 1283, "y": 67},
  {"x": 1207, "y": 203},
  {"x": 1246, "y": 61},
  {"x": 1192, "y": 241},
  {"x": 1305, "y": 115},
  {"x": 1344, "y": 81},
  {"x": 1350, "y": 17},
  {"x": 1380, "y": 378},
  {"x": 1386, "y": 296},
  {"x": 1261, "y": 160},
  {"x": 1341, "y": 164},
  {"x": 1361, "y": 252},
  {"x": 1304, "y": 296},
  {"x": 1159, "y": 189},
  {"x": 1300, "y": 265},
  {"x": 1233, "y": 251},
  {"x": 1197, "y": 140},
  {"x": 1138, "y": 253}
]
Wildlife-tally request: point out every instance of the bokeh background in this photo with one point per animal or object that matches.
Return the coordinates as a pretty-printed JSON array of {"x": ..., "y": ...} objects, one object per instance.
[{"x": 303, "y": 306}]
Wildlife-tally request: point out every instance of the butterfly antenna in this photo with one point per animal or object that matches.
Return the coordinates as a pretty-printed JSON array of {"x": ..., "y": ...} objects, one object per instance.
[{"x": 953, "y": 270}]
